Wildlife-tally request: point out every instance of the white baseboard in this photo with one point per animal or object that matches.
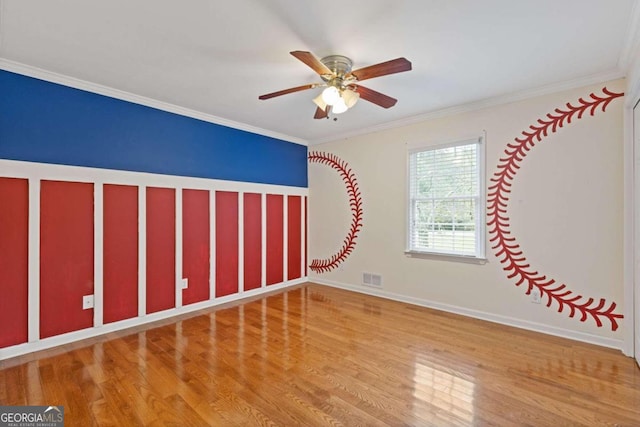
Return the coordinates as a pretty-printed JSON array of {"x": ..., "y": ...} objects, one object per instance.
[
  {"x": 476, "y": 314},
  {"x": 58, "y": 340}
]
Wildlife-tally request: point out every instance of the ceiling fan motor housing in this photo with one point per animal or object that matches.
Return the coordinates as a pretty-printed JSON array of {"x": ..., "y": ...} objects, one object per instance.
[{"x": 340, "y": 65}]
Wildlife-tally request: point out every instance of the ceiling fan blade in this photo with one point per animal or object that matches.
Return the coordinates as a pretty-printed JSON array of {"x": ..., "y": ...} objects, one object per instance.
[
  {"x": 313, "y": 62},
  {"x": 320, "y": 113},
  {"x": 375, "y": 97},
  {"x": 287, "y": 91},
  {"x": 397, "y": 65}
]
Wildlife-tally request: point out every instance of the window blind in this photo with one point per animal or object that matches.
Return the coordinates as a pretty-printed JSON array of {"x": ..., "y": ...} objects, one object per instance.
[{"x": 444, "y": 199}]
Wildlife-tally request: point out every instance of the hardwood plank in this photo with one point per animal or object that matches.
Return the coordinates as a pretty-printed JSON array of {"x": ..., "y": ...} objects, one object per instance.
[
  {"x": 102, "y": 414},
  {"x": 314, "y": 355},
  {"x": 13, "y": 386}
]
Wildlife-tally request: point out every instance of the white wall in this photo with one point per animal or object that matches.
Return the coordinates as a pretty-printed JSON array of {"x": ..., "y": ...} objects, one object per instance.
[{"x": 566, "y": 211}]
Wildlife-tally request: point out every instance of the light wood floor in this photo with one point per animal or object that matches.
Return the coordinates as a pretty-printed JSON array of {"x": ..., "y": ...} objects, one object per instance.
[{"x": 314, "y": 355}]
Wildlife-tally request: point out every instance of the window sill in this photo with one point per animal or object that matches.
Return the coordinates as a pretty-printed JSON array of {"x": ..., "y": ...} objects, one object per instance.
[{"x": 467, "y": 259}]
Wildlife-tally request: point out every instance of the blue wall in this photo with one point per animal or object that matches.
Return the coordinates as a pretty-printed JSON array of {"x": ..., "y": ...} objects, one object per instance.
[{"x": 50, "y": 123}]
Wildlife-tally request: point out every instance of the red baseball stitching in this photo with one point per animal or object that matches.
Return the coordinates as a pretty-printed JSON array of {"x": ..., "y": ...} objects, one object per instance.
[
  {"x": 355, "y": 203},
  {"x": 505, "y": 245}
]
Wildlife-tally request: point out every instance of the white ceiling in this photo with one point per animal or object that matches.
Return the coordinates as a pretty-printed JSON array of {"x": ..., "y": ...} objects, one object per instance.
[{"x": 217, "y": 57}]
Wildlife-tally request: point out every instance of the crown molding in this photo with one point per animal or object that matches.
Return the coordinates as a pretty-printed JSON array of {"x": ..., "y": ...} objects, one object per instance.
[
  {"x": 612, "y": 74},
  {"x": 50, "y": 76}
]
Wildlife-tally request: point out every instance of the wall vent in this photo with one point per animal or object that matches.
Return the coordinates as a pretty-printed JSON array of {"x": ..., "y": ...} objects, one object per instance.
[{"x": 371, "y": 279}]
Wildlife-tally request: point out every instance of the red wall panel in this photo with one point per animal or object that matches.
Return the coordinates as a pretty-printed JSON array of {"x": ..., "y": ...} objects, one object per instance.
[
  {"x": 120, "y": 252},
  {"x": 226, "y": 243},
  {"x": 252, "y": 241},
  {"x": 275, "y": 238},
  {"x": 161, "y": 245},
  {"x": 294, "y": 236},
  {"x": 14, "y": 261},
  {"x": 195, "y": 245},
  {"x": 66, "y": 256},
  {"x": 306, "y": 241}
]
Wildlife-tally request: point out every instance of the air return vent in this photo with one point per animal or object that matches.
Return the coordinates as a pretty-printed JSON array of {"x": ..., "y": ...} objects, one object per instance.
[{"x": 371, "y": 279}]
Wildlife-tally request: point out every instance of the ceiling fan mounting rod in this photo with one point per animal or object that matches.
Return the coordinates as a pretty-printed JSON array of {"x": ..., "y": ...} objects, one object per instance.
[{"x": 336, "y": 82}]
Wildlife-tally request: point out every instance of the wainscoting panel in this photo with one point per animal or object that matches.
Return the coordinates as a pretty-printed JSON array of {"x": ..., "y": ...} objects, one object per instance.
[
  {"x": 195, "y": 245},
  {"x": 252, "y": 217},
  {"x": 226, "y": 243},
  {"x": 87, "y": 251},
  {"x": 275, "y": 238},
  {"x": 14, "y": 261},
  {"x": 294, "y": 237},
  {"x": 161, "y": 244},
  {"x": 66, "y": 256},
  {"x": 120, "y": 252}
]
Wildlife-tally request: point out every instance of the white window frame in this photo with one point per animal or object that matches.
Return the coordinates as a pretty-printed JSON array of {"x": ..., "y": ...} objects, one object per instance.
[{"x": 480, "y": 255}]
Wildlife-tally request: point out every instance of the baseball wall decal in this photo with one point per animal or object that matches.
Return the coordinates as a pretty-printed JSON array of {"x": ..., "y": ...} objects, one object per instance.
[
  {"x": 506, "y": 248},
  {"x": 355, "y": 204}
]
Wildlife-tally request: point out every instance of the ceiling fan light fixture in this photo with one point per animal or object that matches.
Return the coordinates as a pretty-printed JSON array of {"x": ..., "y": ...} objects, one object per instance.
[
  {"x": 319, "y": 101},
  {"x": 350, "y": 97},
  {"x": 341, "y": 84},
  {"x": 339, "y": 106},
  {"x": 331, "y": 95}
]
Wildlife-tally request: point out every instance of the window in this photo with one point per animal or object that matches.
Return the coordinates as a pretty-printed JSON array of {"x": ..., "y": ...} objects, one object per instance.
[{"x": 446, "y": 200}]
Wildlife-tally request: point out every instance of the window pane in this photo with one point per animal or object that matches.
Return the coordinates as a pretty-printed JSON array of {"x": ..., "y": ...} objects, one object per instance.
[
  {"x": 445, "y": 225},
  {"x": 444, "y": 199},
  {"x": 445, "y": 172}
]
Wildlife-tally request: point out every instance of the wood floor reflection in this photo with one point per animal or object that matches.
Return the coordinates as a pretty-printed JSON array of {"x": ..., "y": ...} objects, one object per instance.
[{"x": 314, "y": 355}]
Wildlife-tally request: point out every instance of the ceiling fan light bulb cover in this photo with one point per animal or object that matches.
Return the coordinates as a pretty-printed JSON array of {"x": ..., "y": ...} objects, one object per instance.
[
  {"x": 339, "y": 107},
  {"x": 330, "y": 95},
  {"x": 350, "y": 97},
  {"x": 320, "y": 102}
]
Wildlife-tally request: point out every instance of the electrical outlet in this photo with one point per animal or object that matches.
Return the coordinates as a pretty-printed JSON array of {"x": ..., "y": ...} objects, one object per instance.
[
  {"x": 87, "y": 302},
  {"x": 185, "y": 283},
  {"x": 536, "y": 295}
]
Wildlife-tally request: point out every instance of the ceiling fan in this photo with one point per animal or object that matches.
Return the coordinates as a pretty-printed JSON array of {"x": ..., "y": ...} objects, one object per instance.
[{"x": 342, "y": 90}]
